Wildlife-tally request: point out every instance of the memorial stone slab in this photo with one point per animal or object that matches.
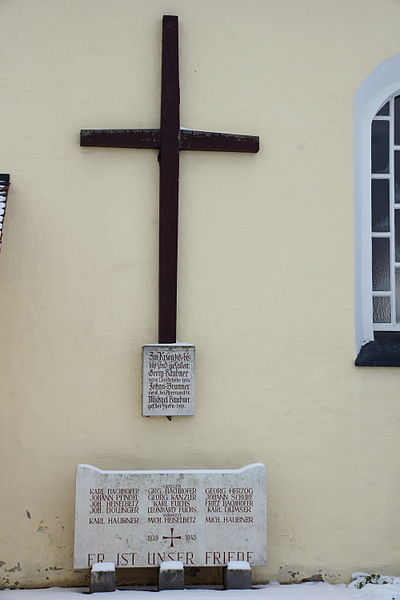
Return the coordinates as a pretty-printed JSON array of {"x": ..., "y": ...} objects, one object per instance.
[
  {"x": 143, "y": 518},
  {"x": 168, "y": 380}
]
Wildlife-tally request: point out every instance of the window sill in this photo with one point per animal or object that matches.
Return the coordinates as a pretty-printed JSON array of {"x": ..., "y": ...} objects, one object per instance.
[{"x": 384, "y": 351}]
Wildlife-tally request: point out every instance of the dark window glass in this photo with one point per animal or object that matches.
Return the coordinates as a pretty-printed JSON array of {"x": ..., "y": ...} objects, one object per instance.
[
  {"x": 397, "y": 235},
  {"x": 380, "y": 204},
  {"x": 380, "y": 147},
  {"x": 397, "y": 120},
  {"x": 397, "y": 291},
  {"x": 397, "y": 177},
  {"x": 381, "y": 309},
  {"x": 384, "y": 112},
  {"x": 380, "y": 264}
]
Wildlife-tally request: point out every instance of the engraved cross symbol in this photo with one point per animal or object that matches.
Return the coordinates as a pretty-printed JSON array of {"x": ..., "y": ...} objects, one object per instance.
[
  {"x": 172, "y": 537},
  {"x": 169, "y": 139}
]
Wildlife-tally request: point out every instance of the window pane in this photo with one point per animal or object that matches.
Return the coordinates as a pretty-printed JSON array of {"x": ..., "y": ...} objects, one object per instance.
[
  {"x": 381, "y": 309},
  {"x": 380, "y": 264},
  {"x": 397, "y": 177},
  {"x": 397, "y": 235},
  {"x": 380, "y": 204},
  {"x": 397, "y": 291},
  {"x": 397, "y": 120},
  {"x": 384, "y": 112},
  {"x": 380, "y": 146}
]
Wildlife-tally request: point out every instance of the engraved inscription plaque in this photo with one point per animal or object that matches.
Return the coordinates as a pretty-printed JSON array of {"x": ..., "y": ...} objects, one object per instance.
[
  {"x": 168, "y": 380},
  {"x": 142, "y": 518}
]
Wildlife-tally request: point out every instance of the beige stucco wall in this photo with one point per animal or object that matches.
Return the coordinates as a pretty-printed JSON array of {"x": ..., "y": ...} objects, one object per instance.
[{"x": 266, "y": 272}]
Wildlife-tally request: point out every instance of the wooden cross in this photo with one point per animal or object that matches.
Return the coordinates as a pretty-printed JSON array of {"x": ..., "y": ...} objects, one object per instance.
[{"x": 169, "y": 139}]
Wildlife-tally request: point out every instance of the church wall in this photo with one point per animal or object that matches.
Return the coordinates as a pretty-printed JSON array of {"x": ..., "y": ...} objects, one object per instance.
[{"x": 266, "y": 273}]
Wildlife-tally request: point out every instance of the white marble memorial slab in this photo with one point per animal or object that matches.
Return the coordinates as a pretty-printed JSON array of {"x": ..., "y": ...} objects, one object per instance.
[
  {"x": 168, "y": 380},
  {"x": 143, "y": 518}
]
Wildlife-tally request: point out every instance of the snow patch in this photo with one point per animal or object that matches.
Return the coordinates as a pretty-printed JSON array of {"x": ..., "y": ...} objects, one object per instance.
[
  {"x": 273, "y": 591},
  {"x": 360, "y": 580},
  {"x": 104, "y": 566},
  {"x": 239, "y": 565},
  {"x": 171, "y": 565}
]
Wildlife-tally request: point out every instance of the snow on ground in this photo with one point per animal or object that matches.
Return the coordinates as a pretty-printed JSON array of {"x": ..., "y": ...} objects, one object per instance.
[{"x": 272, "y": 591}]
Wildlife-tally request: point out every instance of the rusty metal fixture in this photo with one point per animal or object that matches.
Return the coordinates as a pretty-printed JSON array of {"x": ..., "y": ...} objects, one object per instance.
[{"x": 4, "y": 187}]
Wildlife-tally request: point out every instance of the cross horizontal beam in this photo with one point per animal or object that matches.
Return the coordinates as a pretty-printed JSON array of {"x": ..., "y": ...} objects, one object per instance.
[
  {"x": 189, "y": 139},
  {"x": 121, "y": 138}
]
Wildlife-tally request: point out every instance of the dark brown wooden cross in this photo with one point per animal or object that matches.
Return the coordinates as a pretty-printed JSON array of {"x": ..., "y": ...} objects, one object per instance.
[{"x": 169, "y": 139}]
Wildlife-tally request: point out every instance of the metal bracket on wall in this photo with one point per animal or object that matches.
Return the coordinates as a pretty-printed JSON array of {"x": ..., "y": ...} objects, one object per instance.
[{"x": 4, "y": 187}]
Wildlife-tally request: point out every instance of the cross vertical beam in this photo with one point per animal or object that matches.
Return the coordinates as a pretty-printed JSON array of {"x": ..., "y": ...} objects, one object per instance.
[{"x": 169, "y": 183}]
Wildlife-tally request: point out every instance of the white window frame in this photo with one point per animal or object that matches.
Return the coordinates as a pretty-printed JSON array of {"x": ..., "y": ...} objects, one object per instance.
[{"x": 373, "y": 93}]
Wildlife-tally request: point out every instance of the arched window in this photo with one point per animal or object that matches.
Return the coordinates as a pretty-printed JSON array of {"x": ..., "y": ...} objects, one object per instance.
[{"x": 377, "y": 156}]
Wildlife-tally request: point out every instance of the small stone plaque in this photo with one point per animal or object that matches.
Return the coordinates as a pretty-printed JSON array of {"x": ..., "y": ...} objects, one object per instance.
[
  {"x": 168, "y": 380},
  {"x": 143, "y": 518}
]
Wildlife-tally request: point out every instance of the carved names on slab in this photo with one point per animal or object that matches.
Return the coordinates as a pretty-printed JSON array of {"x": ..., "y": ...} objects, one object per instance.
[
  {"x": 168, "y": 380},
  {"x": 141, "y": 518}
]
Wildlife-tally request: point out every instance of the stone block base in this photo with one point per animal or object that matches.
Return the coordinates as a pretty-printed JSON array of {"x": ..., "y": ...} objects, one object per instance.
[
  {"x": 171, "y": 575},
  {"x": 237, "y": 575},
  {"x": 102, "y": 577}
]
